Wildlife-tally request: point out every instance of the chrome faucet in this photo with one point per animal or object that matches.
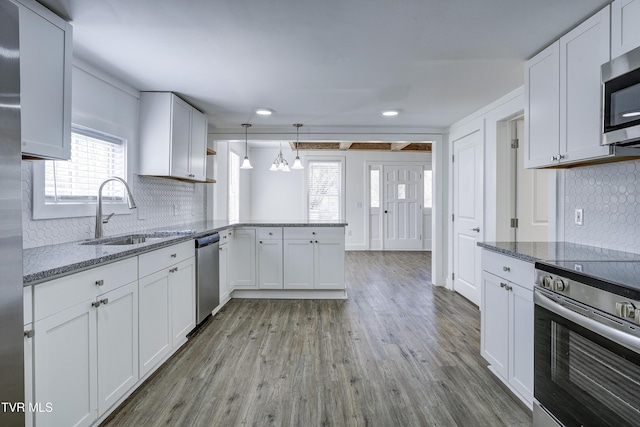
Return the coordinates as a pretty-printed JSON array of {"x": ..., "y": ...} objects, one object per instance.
[{"x": 99, "y": 218}]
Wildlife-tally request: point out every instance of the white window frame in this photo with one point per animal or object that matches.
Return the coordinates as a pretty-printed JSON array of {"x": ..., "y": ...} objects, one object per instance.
[
  {"x": 343, "y": 192},
  {"x": 43, "y": 210},
  {"x": 232, "y": 153}
]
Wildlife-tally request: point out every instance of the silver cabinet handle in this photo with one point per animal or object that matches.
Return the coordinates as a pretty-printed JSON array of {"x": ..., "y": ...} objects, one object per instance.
[
  {"x": 476, "y": 229},
  {"x": 29, "y": 334},
  {"x": 95, "y": 304},
  {"x": 99, "y": 282},
  {"x": 503, "y": 285},
  {"x": 554, "y": 158},
  {"x": 561, "y": 156},
  {"x": 506, "y": 268},
  {"x": 508, "y": 287},
  {"x": 173, "y": 270},
  {"x": 174, "y": 255},
  {"x": 104, "y": 301}
]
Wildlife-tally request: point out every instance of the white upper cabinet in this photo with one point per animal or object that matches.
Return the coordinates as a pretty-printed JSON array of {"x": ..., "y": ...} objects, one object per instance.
[
  {"x": 625, "y": 31},
  {"x": 563, "y": 97},
  {"x": 45, "y": 82},
  {"x": 173, "y": 138}
]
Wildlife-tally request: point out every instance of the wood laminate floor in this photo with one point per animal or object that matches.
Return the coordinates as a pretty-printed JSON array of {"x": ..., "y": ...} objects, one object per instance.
[{"x": 398, "y": 352}]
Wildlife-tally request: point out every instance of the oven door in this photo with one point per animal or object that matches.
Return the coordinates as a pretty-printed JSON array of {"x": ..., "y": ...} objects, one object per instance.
[{"x": 586, "y": 372}]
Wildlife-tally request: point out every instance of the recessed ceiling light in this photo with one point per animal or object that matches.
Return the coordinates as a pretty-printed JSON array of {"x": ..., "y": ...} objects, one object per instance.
[
  {"x": 264, "y": 111},
  {"x": 631, "y": 114},
  {"x": 390, "y": 113}
]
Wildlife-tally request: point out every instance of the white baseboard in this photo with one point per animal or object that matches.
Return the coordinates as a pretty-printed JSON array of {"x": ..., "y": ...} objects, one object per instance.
[
  {"x": 358, "y": 247},
  {"x": 290, "y": 294}
]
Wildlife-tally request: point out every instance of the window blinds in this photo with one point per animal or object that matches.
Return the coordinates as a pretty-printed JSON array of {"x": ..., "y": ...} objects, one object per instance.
[{"x": 324, "y": 189}]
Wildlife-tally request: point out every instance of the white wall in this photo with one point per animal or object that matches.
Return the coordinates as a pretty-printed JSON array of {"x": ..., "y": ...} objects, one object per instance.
[
  {"x": 281, "y": 196},
  {"x": 108, "y": 105},
  {"x": 218, "y": 192}
]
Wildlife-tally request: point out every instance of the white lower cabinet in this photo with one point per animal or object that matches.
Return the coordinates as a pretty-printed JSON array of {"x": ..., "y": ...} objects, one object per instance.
[
  {"x": 269, "y": 253},
  {"x": 225, "y": 265},
  {"x": 28, "y": 374},
  {"x": 167, "y": 312},
  {"x": 507, "y": 321},
  {"x": 314, "y": 258},
  {"x": 244, "y": 258}
]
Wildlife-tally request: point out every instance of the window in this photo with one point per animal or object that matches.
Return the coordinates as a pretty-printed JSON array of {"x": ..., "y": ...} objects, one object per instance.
[
  {"x": 374, "y": 183},
  {"x": 428, "y": 187},
  {"x": 325, "y": 189},
  {"x": 234, "y": 187},
  {"x": 70, "y": 188}
]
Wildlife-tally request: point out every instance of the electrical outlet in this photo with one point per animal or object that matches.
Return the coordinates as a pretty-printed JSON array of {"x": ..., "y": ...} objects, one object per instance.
[
  {"x": 141, "y": 213},
  {"x": 175, "y": 210},
  {"x": 579, "y": 217}
]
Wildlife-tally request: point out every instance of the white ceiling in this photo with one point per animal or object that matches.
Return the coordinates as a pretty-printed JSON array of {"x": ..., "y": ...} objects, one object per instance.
[{"x": 321, "y": 62}]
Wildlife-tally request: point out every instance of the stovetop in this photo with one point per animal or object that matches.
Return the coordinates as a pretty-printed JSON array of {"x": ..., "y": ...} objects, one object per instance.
[{"x": 618, "y": 277}]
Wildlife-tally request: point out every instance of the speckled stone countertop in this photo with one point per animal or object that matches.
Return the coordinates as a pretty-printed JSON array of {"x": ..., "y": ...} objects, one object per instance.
[
  {"x": 48, "y": 262},
  {"x": 557, "y": 251}
]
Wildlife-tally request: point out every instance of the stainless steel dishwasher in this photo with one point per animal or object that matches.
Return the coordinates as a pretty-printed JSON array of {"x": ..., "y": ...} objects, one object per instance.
[{"x": 207, "y": 276}]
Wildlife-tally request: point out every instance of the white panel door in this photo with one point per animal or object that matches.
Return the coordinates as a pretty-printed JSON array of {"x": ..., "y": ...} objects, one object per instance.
[
  {"x": 495, "y": 323},
  {"x": 244, "y": 259},
  {"x": 180, "y": 137},
  {"x": 521, "y": 340},
  {"x": 182, "y": 289},
  {"x": 625, "y": 31},
  {"x": 402, "y": 207},
  {"x": 329, "y": 264},
  {"x": 117, "y": 344},
  {"x": 467, "y": 208},
  {"x": 270, "y": 275},
  {"x": 155, "y": 331},
  {"x": 532, "y": 199}
]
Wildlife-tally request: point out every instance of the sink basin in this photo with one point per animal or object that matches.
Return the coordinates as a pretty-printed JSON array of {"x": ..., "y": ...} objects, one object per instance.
[{"x": 132, "y": 239}]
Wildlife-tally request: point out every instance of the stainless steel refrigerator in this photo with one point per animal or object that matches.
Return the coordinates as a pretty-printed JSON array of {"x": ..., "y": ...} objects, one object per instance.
[{"x": 11, "y": 316}]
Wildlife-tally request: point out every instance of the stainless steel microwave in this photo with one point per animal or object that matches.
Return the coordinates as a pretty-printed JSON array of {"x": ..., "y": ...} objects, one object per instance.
[{"x": 621, "y": 100}]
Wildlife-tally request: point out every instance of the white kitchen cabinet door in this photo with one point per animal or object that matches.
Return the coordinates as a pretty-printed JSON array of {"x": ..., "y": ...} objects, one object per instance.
[
  {"x": 521, "y": 308},
  {"x": 582, "y": 51},
  {"x": 28, "y": 374},
  {"x": 495, "y": 323},
  {"x": 117, "y": 344},
  {"x": 180, "y": 137},
  {"x": 65, "y": 362},
  {"x": 45, "y": 82},
  {"x": 244, "y": 258},
  {"x": 270, "y": 264},
  {"x": 542, "y": 107},
  {"x": 182, "y": 288},
  {"x": 299, "y": 264},
  {"x": 223, "y": 262},
  {"x": 198, "y": 150},
  {"x": 154, "y": 320},
  {"x": 625, "y": 31},
  {"x": 329, "y": 264}
]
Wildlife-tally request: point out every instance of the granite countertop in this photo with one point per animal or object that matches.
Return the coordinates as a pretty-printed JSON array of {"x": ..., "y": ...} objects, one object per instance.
[
  {"x": 52, "y": 261},
  {"x": 557, "y": 251}
]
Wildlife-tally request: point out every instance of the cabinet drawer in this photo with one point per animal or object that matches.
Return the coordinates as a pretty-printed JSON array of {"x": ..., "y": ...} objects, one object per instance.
[
  {"x": 509, "y": 268},
  {"x": 314, "y": 232},
  {"x": 56, "y": 295},
  {"x": 157, "y": 260},
  {"x": 270, "y": 233},
  {"x": 226, "y": 236}
]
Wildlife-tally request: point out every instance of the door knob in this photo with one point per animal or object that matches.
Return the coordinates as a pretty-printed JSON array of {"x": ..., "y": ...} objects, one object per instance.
[{"x": 476, "y": 229}]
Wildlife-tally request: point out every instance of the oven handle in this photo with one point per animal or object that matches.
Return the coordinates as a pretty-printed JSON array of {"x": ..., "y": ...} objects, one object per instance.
[{"x": 622, "y": 338}]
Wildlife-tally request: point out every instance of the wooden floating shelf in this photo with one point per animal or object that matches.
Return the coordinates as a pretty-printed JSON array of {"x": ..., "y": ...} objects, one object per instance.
[
  {"x": 210, "y": 181},
  {"x": 211, "y": 152}
]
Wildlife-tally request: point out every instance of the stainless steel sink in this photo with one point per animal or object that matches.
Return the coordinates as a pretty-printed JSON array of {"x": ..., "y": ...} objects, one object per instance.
[{"x": 132, "y": 239}]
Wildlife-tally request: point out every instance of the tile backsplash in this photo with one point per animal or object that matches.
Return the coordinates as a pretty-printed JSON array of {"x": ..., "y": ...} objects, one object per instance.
[
  {"x": 609, "y": 195},
  {"x": 155, "y": 198}
]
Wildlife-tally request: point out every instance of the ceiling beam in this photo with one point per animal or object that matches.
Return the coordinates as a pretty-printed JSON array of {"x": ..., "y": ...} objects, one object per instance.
[
  {"x": 345, "y": 145},
  {"x": 397, "y": 146}
]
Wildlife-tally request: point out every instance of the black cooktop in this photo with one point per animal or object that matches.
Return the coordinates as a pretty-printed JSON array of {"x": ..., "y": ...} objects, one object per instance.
[{"x": 618, "y": 277}]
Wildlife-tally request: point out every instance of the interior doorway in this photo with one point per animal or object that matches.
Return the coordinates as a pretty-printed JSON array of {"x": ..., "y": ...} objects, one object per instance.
[{"x": 523, "y": 194}]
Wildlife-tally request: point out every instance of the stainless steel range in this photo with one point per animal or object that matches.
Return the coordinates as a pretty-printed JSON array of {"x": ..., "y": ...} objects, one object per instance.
[{"x": 587, "y": 344}]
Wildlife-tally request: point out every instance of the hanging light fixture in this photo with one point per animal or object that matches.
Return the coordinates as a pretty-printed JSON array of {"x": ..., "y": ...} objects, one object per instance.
[
  {"x": 246, "y": 164},
  {"x": 280, "y": 164},
  {"x": 297, "y": 164}
]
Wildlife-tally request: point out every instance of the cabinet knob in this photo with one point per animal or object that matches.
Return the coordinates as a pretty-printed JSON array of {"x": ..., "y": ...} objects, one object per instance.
[
  {"x": 554, "y": 158},
  {"x": 316, "y": 241},
  {"x": 561, "y": 156},
  {"x": 509, "y": 287},
  {"x": 506, "y": 268},
  {"x": 99, "y": 282},
  {"x": 260, "y": 241},
  {"x": 29, "y": 333},
  {"x": 310, "y": 241},
  {"x": 173, "y": 270},
  {"x": 503, "y": 285},
  {"x": 314, "y": 233},
  {"x": 104, "y": 301},
  {"x": 95, "y": 304},
  {"x": 270, "y": 234},
  {"x": 174, "y": 255}
]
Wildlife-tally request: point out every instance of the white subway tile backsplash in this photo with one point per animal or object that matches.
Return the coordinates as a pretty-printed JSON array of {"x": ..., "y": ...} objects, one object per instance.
[
  {"x": 609, "y": 195},
  {"x": 155, "y": 196}
]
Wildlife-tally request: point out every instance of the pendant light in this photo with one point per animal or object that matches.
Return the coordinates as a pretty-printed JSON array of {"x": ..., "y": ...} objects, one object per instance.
[
  {"x": 246, "y": 164},
  {"x": 280, "y": 164},
  {"x": 297, "y": 164}
]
